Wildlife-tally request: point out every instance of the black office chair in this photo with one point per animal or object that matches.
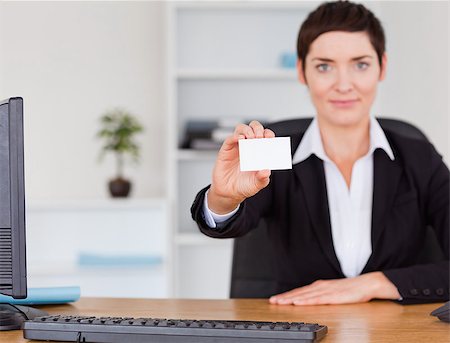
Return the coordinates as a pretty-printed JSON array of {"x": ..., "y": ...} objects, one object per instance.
[{"x": 253, "y": 270}]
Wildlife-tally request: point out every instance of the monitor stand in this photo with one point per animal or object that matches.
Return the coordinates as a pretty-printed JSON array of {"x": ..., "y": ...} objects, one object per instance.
[{"x": 13, "y": 316}]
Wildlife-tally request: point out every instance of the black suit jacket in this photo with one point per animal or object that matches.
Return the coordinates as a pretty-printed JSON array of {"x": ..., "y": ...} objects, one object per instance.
[{"x": 410, "y": 193}]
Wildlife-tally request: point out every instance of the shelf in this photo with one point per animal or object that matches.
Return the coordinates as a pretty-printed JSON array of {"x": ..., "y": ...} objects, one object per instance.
[
  {"x": 196, "y": 155},
  {"x": 69, "y": 267},
  {"x": 246, "y": 5},
  {"x": 189, "y": 239},
  {"x": 94, "y": 204},
  {"x": 237, "y": 74}
]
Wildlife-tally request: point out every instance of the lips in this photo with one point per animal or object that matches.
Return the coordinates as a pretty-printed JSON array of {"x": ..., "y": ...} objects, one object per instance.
[{"x": 344, "y": 103}]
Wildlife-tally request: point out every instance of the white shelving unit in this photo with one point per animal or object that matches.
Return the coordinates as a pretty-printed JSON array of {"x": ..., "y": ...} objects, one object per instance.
[
  {"x": 236, "y": 74},
  {"x": 223, "y": 61},
  {"x": 108, "y": 247}
]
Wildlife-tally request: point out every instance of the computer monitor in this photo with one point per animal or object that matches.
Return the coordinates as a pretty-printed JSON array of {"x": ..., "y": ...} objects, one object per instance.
[{"x": 13, "y": 274}]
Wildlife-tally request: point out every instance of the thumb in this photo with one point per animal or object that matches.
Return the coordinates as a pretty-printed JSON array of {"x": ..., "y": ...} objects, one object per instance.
[{"x": 263, "y": 177}]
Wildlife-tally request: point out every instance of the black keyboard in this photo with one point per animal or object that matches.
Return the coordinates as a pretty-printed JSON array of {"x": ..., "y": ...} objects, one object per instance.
[{"x": 136, "y": 330}]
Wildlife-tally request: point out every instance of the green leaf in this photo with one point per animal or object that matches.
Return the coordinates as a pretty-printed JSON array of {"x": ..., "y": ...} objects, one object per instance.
[{"x": 118, "y": 129}]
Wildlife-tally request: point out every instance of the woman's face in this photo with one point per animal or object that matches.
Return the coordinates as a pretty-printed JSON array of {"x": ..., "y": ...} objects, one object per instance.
[{"x": 342, "y": 72}]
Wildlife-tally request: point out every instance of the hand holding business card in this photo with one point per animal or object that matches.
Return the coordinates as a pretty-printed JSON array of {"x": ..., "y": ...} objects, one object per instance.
[
  {"x": 230, "y": 186},
  {"x": 265, "y": 153}
]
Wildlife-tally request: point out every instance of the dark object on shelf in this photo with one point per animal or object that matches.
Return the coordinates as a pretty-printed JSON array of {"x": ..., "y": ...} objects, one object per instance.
[
  {"x": 204, "y": 144},
  {"x": 198, "y": 134},
  {"x": 208, "y": 134},
  {"x": 443, "y": 312},
  {"x": 119, "y": 188},
  {"x": 92, "y": 329}
]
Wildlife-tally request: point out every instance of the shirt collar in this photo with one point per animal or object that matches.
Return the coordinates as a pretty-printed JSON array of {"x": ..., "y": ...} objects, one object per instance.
[{"x": 311, "y": 142}]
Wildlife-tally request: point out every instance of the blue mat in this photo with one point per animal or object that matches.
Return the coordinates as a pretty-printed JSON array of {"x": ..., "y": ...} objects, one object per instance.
[{"x": 45, "y": 296}]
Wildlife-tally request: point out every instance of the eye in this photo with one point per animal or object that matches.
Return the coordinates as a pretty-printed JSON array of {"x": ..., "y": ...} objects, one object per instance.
[
  {"x": 323, "y": 67},
  {"x": 362, "y": 65}
]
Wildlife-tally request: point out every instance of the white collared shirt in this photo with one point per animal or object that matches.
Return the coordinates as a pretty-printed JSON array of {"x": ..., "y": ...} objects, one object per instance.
[{"x": 350, "y": 208}]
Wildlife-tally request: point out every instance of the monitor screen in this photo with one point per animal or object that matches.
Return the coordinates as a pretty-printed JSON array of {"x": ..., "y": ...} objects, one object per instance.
[{"x": 13, "y": 280}]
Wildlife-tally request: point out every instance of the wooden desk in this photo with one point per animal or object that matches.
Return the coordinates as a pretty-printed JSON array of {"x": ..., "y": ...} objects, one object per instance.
[{"x": 378, "y": 321}]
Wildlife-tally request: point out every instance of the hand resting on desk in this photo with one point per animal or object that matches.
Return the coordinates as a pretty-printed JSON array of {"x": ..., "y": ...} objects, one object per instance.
[{"x": 362, "y": 288}]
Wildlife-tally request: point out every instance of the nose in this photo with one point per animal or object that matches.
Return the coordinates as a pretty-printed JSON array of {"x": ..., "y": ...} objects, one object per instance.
[{"x": 344, "y": 82}]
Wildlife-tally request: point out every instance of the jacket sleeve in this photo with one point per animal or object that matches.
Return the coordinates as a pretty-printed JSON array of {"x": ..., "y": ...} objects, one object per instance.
[
  {"x": 429, "y": 282},
  {"x": 245, "y": 219}
]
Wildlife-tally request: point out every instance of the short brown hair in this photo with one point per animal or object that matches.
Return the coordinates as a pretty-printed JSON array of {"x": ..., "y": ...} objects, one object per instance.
[{"x": 340, "y": 16}]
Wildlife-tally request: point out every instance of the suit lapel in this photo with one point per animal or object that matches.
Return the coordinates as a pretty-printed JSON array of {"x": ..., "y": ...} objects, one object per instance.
[
  {"x": 311, "y": 174},
  {"x": 386, "y": 175}
]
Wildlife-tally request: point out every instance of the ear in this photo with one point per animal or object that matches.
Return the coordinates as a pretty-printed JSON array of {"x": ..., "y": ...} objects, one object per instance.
[
  {"x": 300, "y": 73},
  {"x": 383, "y": 67}
]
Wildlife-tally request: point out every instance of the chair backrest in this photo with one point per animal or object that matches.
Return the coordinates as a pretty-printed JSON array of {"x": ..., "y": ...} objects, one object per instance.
[{"x": 253, "y": 272}]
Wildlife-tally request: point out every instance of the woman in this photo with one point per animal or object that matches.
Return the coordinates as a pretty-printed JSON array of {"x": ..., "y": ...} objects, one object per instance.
[{"x": 348, "y": 221}]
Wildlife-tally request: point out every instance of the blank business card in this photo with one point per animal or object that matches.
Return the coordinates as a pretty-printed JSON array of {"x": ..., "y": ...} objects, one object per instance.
[{"x": 265, "y": 153}]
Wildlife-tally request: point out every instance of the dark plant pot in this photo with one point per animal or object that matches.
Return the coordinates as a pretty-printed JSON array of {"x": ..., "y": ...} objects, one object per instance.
[{"x": 119, "y": 188}]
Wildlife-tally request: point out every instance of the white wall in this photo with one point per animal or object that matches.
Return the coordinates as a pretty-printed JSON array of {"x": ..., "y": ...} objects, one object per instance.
[
  {"x": 71, "y": 61},
  {"x": 416, "y": 88}
]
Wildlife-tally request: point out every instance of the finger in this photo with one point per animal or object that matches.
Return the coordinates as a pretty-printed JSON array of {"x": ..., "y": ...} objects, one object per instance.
[
  {"x": 298, "y": 297},
  {"x": 285, "y": 301},
  {"x": 263, "y": 174},
  {"x": 316, "y": 300},
  {"x": 282, "y": 299},
  {"x": 275, "y": 298},
  {"x": 325, "y": 298},
  {"x": 303, "y": 298},
  {"x": 268, "y": 133},
  {"x": 257, "y": 128},
  {"x": 244, "y": 130},
  {"x": 330, "y": 296},
  {"x": 262, "y": 178},
  {"x": 295, "y": 292},
  {"x": 239, "y": 136},
  {"x": 230, "y": 142}
]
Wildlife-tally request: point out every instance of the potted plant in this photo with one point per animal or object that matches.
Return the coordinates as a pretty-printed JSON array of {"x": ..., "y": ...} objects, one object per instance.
[{"x": 118, "y": 130}]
